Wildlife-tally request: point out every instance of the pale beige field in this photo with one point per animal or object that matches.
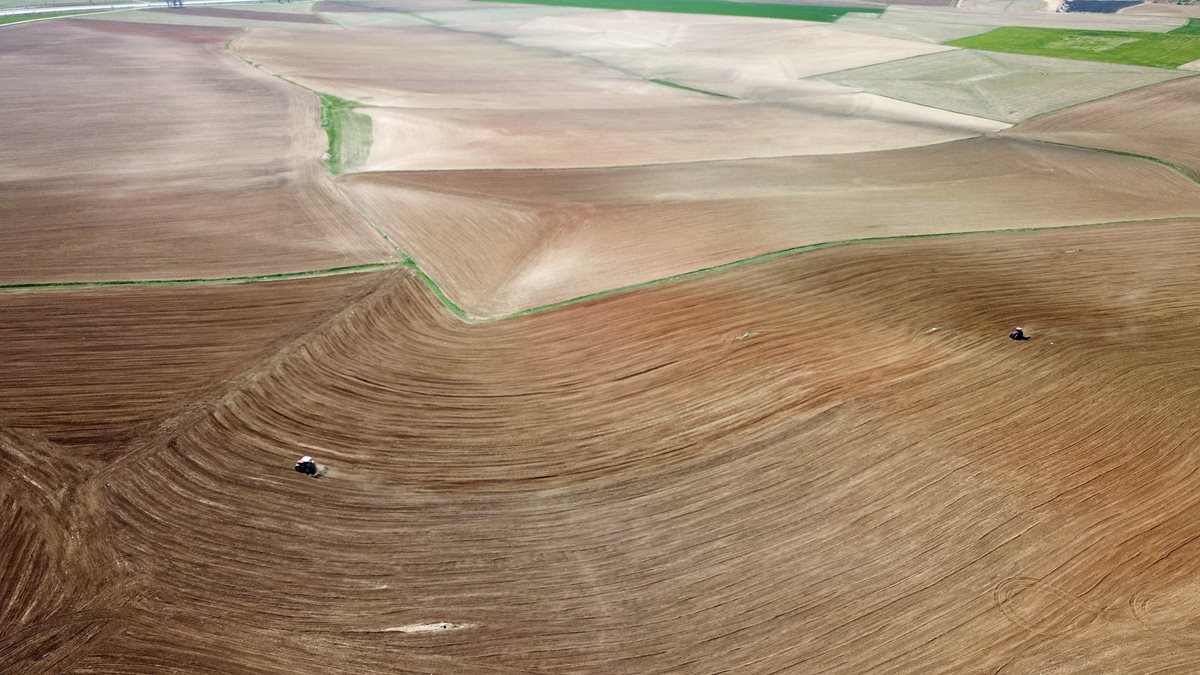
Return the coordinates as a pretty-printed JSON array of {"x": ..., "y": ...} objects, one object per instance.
[
  {"x": 750, "y": 58},
  {"x": 1163, "y": 9},
  {"x": 427, "y": 67},
  {"x": 421, "y": 139},
  {"x": 993, "y": 85},
  {"x": 502, "y": 241},
  {"x": 156, "y": 154}
]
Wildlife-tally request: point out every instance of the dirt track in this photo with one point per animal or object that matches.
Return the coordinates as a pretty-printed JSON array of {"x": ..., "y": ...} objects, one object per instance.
[{"x": 801, "y": 476}]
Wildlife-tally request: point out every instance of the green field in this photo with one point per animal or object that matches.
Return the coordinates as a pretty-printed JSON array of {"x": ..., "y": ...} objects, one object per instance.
[
  {"x": 349, "y": 133},
  {"x": 1192, "y": 27},
  {"x": 1162, "y": 50},
  {"x": 719, "y": 7}
]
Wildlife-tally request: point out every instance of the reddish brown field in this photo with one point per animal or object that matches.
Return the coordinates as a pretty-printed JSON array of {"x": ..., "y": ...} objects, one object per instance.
[
  {"x": 831, "y": 462},
  {"x": 825, "y": 462},
  {"x": 132, "y": 151},
  {"x": 90, "y": 370},
  {"x": 502, "y": 241},
  {"x": 1159, "y": 121}
]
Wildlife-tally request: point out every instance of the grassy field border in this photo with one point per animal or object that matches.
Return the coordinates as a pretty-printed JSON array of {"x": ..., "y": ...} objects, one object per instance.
[{"x": 768, "y": 10}]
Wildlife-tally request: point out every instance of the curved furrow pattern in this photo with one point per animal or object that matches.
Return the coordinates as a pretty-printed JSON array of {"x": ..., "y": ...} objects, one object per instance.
[{"x": 830, "y": 462}]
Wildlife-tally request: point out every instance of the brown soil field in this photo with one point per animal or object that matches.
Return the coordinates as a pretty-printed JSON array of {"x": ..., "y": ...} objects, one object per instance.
[
  {"x": 90, "y": 369},
  {"x": 1158, "y": 121},
  {"x": 830, "y": 462},
  {"x": 156, "y": 154},
  {"x": 247, "y": 15},
  {"x": 757, "y": 59},
  {"x": 502, "y": 241},
  {"x": 1166, "y": 9}
]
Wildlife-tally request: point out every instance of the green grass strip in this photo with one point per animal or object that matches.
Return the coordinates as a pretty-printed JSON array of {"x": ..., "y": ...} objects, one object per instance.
[
  {"x": 18, "y": 18},
  {"x": 251, "y": 278},
  {"x": 718, "y": 7},
  {"x": 676, "y": 85},
  {"x": 1192, "y": 27},
  {"x": 349, "y": 132},
  {"x": 1159, "y": 50}
]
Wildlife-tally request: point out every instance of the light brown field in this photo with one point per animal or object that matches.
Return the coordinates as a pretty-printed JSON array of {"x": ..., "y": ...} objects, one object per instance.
[
  {"x": 502, "y": 241},
  {"x": 157, "y": 155},
  {"x": 826, "y": 462},
  {"x": 1158, "y": 121},
  {"x": 446, "y": 99},
  {"x": 408, "y": 139},
  {"x": 829, "y": 462},
  {"x": 427, "y": 67}
]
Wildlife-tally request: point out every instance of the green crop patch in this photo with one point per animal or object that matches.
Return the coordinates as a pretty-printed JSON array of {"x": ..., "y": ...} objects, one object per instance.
[
  {"x": 1160, "y": 50},
  {"x": 718, "y": 7},
  {"x": 1192, "y": 27},
  {"x": 349, "y": 133}
]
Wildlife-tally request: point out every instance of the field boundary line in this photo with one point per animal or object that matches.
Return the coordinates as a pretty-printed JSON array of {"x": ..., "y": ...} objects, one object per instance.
[{"x": 201, "y": 281}]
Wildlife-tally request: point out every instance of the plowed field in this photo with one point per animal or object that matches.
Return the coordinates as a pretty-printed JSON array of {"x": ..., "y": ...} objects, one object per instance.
[
  {"x": 502, "y": 241},
  {"x": 132, "y": 151},
  {"x": 832, "y": 461},
  {"x": 1157, "y": 121},
  {"x": 726, "y": 455}
]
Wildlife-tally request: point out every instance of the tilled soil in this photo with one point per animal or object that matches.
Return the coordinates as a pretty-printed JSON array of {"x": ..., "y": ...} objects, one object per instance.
[{"x": 833, "y": 461}]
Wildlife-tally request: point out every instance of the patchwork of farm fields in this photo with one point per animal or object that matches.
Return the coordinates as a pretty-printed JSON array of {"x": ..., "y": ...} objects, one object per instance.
[{"x": 630, "y": 340}]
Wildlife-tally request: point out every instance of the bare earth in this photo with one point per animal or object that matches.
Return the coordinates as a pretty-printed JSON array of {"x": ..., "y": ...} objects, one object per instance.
[
  {"x": 502, "y": 241},
  {"x": 1158, "y": 121},
  {"x": 876, "y": 480},
  {"x": 157, "y": 155},
  {"x": 595, "y": 90},
  {"x": 831, "y": 461},
  {"x": 91, "y": 369}
]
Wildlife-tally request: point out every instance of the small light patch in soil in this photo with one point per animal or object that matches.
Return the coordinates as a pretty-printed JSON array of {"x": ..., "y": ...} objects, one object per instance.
[{"x": 435, "y": 627}]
